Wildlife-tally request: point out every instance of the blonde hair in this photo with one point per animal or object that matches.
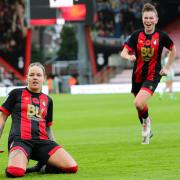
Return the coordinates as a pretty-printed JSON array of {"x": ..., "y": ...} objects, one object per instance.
[
  {"x": 39, "y": 65},
  {"x": 149, "y": 7}
]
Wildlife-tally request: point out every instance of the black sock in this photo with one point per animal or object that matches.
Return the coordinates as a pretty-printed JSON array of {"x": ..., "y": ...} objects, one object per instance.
[{"x": 52, "y": 169}]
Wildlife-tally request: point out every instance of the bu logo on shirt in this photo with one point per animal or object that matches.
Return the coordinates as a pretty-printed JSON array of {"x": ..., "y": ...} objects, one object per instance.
[
  {"x": 147, "y": 53},
  {"x": 34, "y": 111}
]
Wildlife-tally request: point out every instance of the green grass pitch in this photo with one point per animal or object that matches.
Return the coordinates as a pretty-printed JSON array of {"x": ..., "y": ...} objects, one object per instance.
[{"x": 103, "y": 134}]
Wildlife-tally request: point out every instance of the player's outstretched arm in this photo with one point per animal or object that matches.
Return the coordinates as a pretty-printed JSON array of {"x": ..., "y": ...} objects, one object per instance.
[
  {"x": 3, "y": 118},
  {"x": 171, "y": 58},
  {"x": 50, "y": 134},
  {"x": 125, "y": 54}
]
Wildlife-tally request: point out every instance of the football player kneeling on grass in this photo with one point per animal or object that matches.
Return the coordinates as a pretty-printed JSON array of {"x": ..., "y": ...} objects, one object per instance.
[{"x": 30, "y": 135}]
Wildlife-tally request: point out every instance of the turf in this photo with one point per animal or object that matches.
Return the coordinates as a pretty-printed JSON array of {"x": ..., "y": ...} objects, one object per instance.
[{"x": 103, "y": 134}]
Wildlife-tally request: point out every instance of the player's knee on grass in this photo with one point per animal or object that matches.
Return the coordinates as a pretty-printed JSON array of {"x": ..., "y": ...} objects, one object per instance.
[
  {"x": 52, "y": 169},
  {"x": 72, "y": 169},
  {"x": 13, "y": 172}
]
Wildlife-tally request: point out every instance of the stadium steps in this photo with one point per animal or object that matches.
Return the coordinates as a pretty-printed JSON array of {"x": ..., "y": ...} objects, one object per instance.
[
  {"x": 123, "y": 77},
  {"x": 173, "y": 29}
]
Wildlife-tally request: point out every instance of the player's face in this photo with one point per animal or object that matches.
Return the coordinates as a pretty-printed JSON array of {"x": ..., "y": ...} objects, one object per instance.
[
  {"x": 35, "y": 79},
  {"x": 150, "y": 20}
]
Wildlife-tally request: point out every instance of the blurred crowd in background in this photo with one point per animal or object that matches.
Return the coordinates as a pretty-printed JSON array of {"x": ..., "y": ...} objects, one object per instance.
[
  {"x": 13, "y": 30},
  {"x": 12, "y": 25},
  {"x": 118, "y": 17}
]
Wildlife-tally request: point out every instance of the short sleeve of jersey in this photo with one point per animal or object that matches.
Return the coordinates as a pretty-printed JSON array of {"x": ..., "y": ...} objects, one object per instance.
[
  {"x": 9, "y": 102},
  {"x": 168, "y": 43},
  {"x": 49, "y": 116},
  {"x": 130, "y": 43}
]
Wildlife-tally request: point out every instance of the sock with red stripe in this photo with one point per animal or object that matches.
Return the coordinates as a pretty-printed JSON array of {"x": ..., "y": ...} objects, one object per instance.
[
  {"x": 13, "y": 172},
  {"x": 143, "y": 114}
]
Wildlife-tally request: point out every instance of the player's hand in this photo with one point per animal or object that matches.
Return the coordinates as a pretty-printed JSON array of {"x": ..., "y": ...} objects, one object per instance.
[
  {"x": 164, "y": 71},
  {"x": 132, "y": 58}
]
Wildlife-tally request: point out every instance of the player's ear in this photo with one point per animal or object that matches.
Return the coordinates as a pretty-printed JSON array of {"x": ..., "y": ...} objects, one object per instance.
[{"x": 157, "y": 19}]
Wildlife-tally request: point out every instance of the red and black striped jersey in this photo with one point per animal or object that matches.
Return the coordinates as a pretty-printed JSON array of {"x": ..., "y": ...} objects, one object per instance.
[
  {"x": 148, "y": 49},
  {"x": 31, "y": 114}
]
